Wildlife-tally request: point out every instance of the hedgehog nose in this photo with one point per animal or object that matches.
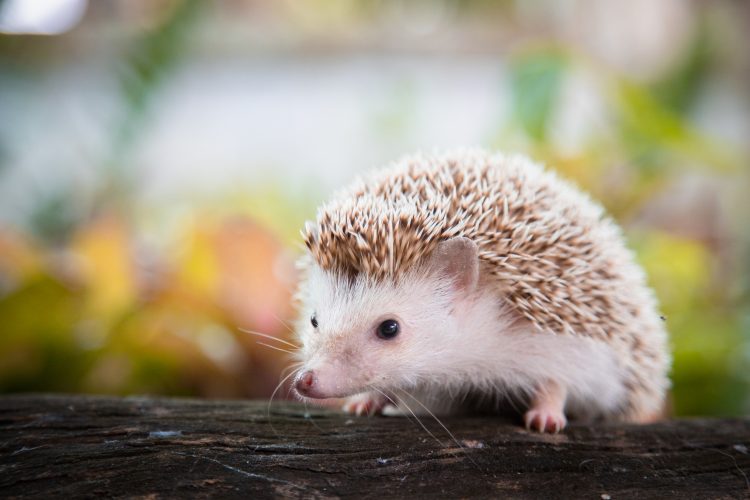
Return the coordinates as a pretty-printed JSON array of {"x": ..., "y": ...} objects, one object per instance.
[{"x": 305, "y": 382}]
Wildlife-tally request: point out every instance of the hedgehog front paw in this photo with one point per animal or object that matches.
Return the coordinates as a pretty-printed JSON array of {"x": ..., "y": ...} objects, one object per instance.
[
  {"x": 545, "y": 420},
  {"x": 367, "y": 403},
  {"x": 547, "y": 410}
]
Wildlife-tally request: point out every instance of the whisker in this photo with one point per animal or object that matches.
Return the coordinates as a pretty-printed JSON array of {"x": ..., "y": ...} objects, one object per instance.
[
  {"x": 420, "y": 421},
  {"x": 437, "y": 420},
  {"x": 270, "y": 401},
  {"x": 292, "y": 366},
  {"x": 310, "y": 419},
  {"x": 284, "y": 323},
  {"x": 394, "y": 403},
  {"x": 251, "y": 332},
  {"x": 460, "y": 446},
  {"x": 274, "y": 347},
  {"x": 386, "y": 396}
]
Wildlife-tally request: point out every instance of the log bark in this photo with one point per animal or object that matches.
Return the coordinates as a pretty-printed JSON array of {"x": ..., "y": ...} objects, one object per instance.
[{"x": 77, "y": 446}]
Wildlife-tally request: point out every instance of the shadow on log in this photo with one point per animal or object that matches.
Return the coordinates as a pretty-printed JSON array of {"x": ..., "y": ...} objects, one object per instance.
[{"x": 73, "y": 446}]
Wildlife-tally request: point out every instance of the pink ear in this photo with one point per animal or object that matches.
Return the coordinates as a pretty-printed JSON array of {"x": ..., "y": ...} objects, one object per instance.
[{"x": 458, "y": 259}]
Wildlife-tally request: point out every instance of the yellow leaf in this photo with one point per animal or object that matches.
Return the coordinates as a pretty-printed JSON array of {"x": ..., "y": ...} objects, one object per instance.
[
  {"x": 104, "y": 250},
  {"x": 197, "y": 267},
  {"x": 678, "y": 268},
  {"x": 19, "y": 259}
]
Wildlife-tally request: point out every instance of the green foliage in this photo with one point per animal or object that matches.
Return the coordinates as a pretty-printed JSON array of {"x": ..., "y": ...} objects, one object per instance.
[
  {"x": 37, "y": 342},
  {"x": 679, "y": 89},
  {"x": 535, "y": 81},
  {"x": 709, "y": 371},
  {"x": 651, "y": 131},
  {"x": 55, "y": 217},
  {"x": 152, "y": 59},
  {"x": 75, "y": 318}
]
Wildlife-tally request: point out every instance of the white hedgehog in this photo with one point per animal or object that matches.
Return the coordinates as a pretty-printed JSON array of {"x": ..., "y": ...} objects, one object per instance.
[{"x": 470, "y": 273}]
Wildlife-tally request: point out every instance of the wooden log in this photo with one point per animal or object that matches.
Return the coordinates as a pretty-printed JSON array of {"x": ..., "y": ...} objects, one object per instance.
[{"x": 78, "y": 446}]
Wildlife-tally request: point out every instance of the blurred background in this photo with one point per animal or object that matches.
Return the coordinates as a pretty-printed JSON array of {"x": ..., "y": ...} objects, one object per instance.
[{"x": 157, "y": 159}]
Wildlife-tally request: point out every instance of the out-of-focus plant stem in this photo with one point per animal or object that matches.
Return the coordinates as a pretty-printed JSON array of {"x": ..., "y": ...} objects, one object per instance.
[{"x": 144, "y": 70}]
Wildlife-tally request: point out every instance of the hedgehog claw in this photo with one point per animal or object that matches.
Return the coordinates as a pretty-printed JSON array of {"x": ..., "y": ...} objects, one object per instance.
[
  {"x": 546, "y": 413},
  {"x": 545, "y": 420},
  {"x": 365, "y": 404}
]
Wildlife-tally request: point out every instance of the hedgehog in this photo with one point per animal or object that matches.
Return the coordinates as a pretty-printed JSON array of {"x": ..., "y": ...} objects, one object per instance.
[{"x": 466, "y": 276}]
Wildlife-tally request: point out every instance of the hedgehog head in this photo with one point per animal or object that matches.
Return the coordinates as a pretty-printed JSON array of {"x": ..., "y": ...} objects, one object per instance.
[{"x": 361, "y": 334}]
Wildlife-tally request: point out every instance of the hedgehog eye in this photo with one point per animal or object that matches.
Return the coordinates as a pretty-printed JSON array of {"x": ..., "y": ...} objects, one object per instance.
[
  {"x": 314, "y": 321},
  {"x": 388, "y": 329}
]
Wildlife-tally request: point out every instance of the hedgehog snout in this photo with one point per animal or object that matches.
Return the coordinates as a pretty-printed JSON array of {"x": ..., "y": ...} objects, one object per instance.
[
  {"x": 321, "y": 379},
  {"x": 305, "y": 383},
  {"x": 312, "y": 384}
]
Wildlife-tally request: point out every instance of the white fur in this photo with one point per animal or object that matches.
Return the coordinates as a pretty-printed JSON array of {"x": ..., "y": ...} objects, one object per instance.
[{"x": 449, "y": 344}]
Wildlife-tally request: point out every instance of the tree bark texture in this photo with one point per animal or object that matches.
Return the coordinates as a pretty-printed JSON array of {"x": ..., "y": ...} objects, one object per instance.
[{"x": 79, "y": 446}]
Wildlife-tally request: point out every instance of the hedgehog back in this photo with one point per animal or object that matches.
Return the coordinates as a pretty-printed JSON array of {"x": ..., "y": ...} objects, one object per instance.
[{"x": 554, "y": 254}]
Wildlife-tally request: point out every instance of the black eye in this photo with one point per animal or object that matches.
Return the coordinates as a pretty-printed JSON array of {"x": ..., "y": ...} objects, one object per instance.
[
  {"x": 314, "y": 321},
  {"x": 388, "y": 329}
]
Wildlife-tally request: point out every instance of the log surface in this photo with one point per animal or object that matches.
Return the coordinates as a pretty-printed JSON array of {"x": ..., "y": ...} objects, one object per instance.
[{"x": 77, "y": 446}]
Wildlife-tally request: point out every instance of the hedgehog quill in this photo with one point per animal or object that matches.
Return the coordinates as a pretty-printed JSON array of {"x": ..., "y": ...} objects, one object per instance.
[{"x": 467, "y": 272}]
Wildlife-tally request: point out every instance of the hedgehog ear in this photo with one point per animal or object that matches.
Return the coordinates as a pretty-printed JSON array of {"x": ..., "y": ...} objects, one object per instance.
[{"x": 457, "y": 258}]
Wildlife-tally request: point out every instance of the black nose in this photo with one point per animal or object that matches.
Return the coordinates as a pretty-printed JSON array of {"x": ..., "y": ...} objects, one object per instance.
[{"x": 305, "y": 382}]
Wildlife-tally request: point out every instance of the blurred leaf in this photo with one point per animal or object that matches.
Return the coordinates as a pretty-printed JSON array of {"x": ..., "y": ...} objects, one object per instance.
[
  {"x": 150, "y": 61},
  {"x": 655, "y": 130},
  {"x": 197, "y": 264},
  {"x": 37, "y": 338},
  {"x": 20, "y": 259},
  {"x": 679, "y": 269},
  {"x": 274, "y": 206},
  {"x": 43, "y": 307},
  {"x": 704, "y": 335},
  {"x": 104, "y": 248},
  {"x": 709, "y": 375},
  {"x": 253, "y": 269},
  {"x": 678, "y": 90},
  {"x": 55, "y": 216},
  {"x": 535, "y": 81}
]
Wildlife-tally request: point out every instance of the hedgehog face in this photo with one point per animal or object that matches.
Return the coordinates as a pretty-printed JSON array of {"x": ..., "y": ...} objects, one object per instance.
[{"x": 362, "y": 334}]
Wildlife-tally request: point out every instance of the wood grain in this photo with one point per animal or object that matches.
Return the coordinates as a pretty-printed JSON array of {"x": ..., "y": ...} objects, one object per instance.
[{"x": 77, "y": 446}]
